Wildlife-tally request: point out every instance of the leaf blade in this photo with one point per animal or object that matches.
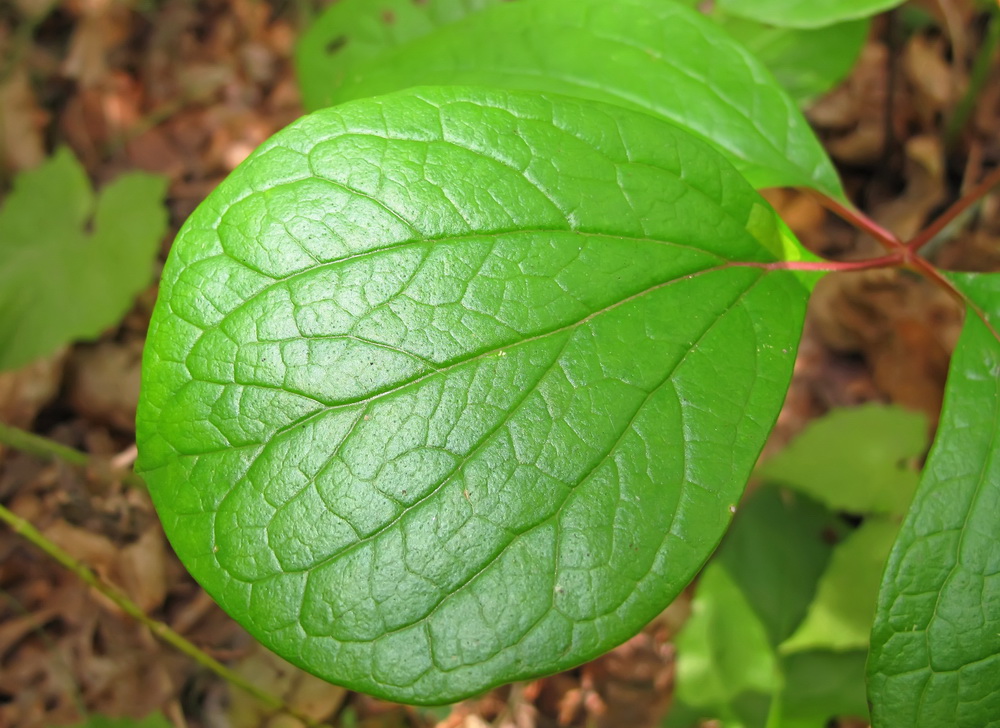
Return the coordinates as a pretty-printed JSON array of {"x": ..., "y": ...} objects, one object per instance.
[
  {"x": 61, "y": 281},
  {"x": 514, "y": 300},
  {"x": 658, "y": 51},
  {"x": 936, "y": 637},
  {"x": 806, "y": 14}
]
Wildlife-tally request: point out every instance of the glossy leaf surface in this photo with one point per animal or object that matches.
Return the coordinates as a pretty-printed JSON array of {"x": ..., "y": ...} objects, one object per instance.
[
  {"x": 805, "y": 13},
  {"x": 431, "y": 394},
  {"x": 655, "y": 56},
  {"x": 935, "y": 656},
  {"x": 72, "y": 261}
]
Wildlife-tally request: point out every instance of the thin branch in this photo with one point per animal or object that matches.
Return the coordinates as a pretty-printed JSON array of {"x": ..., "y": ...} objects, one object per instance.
[
  {"x": 893, "y": 260},
  {"x": 858, "y": 219},
  {"x": 160, "y": 629},
  {"x": 968, "y": 200},
  {"x": 47, "y": 449}
]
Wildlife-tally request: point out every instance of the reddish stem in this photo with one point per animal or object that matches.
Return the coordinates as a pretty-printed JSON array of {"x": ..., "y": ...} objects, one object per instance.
[
  {"x": 859, "y": 220},
  {"x": 893, "y": 260},
  {"x": 963, "y": 204},
  {"x": 923, "y": 266}
]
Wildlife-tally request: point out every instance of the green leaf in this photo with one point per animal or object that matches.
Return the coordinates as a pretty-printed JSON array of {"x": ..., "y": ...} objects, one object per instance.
[
  {"x": 72, "y": 265},
  {"x": 805, "y": 13},
  {"x": 352, "y": 33},
  {"x": 723, "y": 650},
  {"x": 430, "y": 396},
  {"x": 859, "y": 460},
  {"x": 650, "y": 55},
  {"x": 806, "y": 62},
  {"x": 822, "y": 685},
  {"x": 840, "y": 616},
  {"x": 775, "y": 552},
  {"x": 935, "y": 657}
]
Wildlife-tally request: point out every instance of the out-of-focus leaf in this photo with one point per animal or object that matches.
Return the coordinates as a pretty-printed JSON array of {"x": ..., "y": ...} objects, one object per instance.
[
  {"x": 72, "y": 264},
  {"x": 775, "y": 552},
  {"x": 840, "y": 616},
  {"x": 723, "y": 650},
  {"x": 651, "y": 55},
  {"x": 805, "y": 13},
  {"x": 860, "y": 460}
]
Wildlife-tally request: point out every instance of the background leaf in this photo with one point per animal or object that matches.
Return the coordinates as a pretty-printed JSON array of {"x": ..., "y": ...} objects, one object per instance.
[
  {"x": 860, "y": 460},
  {"x": 840, "y": 616},
  {"x": 806, "y": 62},
  {"x": 935, "y": 656},
  {"x": 805, "y": 13},
  {"x": 72, "y": 265},
  {"x": 655, "y": 56},
  {"x": 431, "y": 392},
  {"x": 728, "y": 664},
  {"x": 351, "y": 33},
  {"x": 723, "y": 649}
]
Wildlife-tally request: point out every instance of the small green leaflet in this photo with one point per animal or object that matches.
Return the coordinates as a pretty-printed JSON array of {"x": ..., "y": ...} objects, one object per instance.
[
  {"x": 805, "y": 13},
  {"x": 72, "y": 264},
  {"x": 935, "y": 657},
  {"x": 647, "y": 55},
  {"x": 431, "y": 395}
]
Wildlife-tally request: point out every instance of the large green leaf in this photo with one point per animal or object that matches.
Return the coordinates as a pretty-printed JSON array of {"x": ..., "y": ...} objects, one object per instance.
[
  {"x": 651, "y": 55},
  {"x": 935, "y": 657},
  {"x": 805, "y": 13},
  {"x": 458, "y": 386},
  {"x": 72, "y": 264}
]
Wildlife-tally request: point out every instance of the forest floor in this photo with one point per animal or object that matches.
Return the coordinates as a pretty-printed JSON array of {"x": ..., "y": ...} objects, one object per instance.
[{"x": 187, "y": 89}]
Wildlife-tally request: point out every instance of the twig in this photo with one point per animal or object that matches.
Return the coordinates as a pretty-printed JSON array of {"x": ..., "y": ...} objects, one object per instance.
[
  {"x": 858, "y": 219},
  {"x": 934, "y": 229},
  {"x": 46, "y": 449},
  {"x": 160, "y": 629}
]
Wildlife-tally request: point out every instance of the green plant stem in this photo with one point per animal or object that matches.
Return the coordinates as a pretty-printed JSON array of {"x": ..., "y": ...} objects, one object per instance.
[
  {"x": 935, "y": 228},
  {"x": 46, "y": 449},
  {"x": 161, "y": 630},
  {"x": 978, "y": 78}
]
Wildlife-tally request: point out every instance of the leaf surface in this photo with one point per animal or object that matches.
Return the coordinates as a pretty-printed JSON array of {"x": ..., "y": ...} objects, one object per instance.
[
  {"x": 72, "y": 263},
  {"x": 805, "y": 13},
  {"x": 655, "y": 56},
  {"x": 935, "y": 656},
  {"x": 431, "y": 392}
]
